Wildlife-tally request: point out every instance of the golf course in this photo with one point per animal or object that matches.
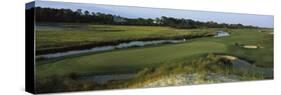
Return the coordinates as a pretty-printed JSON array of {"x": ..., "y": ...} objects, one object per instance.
[
  {"x": 135, "y": 59},
  {"x": 81, "y": 47}
]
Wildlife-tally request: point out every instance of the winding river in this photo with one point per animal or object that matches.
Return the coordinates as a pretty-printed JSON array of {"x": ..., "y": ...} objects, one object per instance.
[{"x": 111, "y": 47}]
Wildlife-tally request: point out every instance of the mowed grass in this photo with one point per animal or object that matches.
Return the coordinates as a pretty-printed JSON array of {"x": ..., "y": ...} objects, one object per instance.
[
  {"x": 135, "y": 59},
  {"x": 127, "y": 61},
  {"x": 67, "y": 35}
]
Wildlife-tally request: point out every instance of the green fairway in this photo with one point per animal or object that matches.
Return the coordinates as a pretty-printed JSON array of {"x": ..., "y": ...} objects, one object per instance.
[
  {"x": 131, "y": 60},
  {"x": 135, "y": 59}
]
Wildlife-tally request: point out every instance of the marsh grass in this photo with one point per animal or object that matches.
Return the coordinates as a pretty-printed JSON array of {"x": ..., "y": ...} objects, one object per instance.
[{"x": 62, "y": 37}]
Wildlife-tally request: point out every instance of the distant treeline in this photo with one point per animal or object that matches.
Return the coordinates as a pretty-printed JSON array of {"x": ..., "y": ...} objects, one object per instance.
[{"x": 80, "y": 16}]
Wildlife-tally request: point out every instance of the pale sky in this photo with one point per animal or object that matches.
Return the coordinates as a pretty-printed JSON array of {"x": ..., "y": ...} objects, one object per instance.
[{"x": 137, "y": 12}]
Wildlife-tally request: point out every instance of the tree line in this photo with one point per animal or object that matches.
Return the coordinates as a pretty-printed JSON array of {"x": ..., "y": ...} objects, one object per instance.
[{"x": 79, "y": 16}]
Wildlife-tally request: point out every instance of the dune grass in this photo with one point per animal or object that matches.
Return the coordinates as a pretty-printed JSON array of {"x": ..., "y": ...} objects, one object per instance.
[{"x": 206, "y": 69}]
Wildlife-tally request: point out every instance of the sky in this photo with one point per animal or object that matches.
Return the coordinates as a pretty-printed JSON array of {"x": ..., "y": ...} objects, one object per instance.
[{"x": 137, "y": 12}]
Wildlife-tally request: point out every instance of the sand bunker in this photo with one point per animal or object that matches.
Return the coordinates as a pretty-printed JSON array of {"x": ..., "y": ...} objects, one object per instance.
[
  {"x": 250, "y": 46},
  {"x": 228, "y": 57}
]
